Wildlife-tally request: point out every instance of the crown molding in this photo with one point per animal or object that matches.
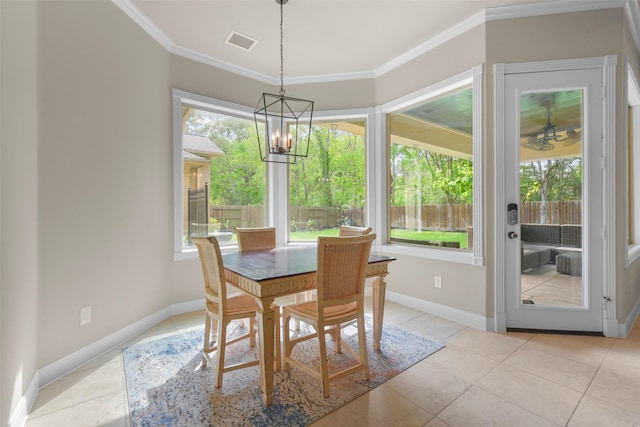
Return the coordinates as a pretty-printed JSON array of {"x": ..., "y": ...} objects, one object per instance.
[
  {"x": 205, "y": 59},
  {"x": 631, "y": 8},
  {"x": 560, "y": 6},
  {"x": 144, "y": 22},
  {"x": 456, "y": 30}
]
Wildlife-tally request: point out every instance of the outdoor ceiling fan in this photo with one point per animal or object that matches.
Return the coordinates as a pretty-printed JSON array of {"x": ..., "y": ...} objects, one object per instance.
[{"x": 542, "y": 140}]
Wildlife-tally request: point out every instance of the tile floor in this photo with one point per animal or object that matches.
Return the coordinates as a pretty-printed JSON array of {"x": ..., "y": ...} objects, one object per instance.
[
  {"x": 544, "y": 286},
  {"x": 479, "y": 379}
]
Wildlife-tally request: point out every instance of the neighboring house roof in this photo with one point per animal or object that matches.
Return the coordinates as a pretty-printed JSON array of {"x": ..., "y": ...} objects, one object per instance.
[
  {"x": 201, "y": 146},
  {"x": 190, "y": 157}
]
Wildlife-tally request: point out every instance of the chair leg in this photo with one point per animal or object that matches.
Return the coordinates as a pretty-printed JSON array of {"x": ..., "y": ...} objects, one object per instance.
[
  {"x": 221, "y": 342},
  {"x": 298, "y": 300},
  {"x": 252, "y": 332},
  {"x": 286, "y": 342},
  {"x": 207, "y": 338},
  {"x": 324, "y": 369},
  {"x": 337, "y": 336},
  {"x": 362, "y": 346},
  {"x": 278, "y": 343}
]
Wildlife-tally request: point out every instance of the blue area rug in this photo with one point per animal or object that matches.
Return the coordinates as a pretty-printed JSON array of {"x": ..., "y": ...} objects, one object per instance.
[{"x": 166, "y": 385}]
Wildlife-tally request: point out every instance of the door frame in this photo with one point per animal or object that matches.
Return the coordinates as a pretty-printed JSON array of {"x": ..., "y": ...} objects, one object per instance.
[{"x": 607, "y": 64}]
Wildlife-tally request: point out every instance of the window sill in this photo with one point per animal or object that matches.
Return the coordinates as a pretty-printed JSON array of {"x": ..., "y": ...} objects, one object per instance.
[
  {"x": 192, "y": 253},
  {"x": 633, "y": 253},
  {"x": 440, "y": 254}
]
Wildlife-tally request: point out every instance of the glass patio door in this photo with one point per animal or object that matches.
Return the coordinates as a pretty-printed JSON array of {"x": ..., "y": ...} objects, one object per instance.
[{"x": 553, "y": 189}]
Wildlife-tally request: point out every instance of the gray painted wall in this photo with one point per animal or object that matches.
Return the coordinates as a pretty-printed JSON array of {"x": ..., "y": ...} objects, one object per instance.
[{"x": 19, "y": 136}]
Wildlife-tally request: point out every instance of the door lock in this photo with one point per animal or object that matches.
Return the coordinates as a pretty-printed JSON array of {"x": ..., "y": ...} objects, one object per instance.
[
  {"x": 512, "y": 235},
  {"x": 512, "y": 214}
]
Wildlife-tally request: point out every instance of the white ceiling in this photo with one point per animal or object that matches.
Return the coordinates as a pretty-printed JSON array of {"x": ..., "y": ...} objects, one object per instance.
[{"x": 323, "y": 39}]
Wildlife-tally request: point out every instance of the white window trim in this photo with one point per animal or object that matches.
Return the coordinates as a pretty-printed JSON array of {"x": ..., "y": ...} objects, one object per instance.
[
  {"x": 277, "y": 176},
  {"x": 209, "y": 104},
  {"x": 474, "y": 77},
  {"x": 632, "y": 94}
]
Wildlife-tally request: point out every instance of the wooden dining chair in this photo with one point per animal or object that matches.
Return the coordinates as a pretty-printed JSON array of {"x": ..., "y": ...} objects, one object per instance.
[
  {"x": 340, "y": 299},
  {"x": 263, "y": 238},
  {"x": 221, "y": 309},
  {"x": 350, "y": 231},
  {"x": 255, "y": 238},
  {"x": 347, "y": 230}
]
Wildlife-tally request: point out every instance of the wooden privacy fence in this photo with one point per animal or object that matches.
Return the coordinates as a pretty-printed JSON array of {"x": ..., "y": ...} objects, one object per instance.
[
  {"x": 428, "y": 217},
  {"x": 431, "y": 217},
  {"x": 562, "y": 212},
  {"x": 238, "y": 216}
]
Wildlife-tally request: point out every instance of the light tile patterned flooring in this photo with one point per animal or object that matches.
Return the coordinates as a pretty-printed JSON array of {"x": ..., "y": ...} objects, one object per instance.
[
  {"x": 544, "y": 286},
  {"x": 479, "y": 379}
]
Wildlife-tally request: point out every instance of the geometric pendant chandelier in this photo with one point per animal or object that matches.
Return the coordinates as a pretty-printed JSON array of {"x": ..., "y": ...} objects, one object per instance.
[{"x": 287, "y": 120}]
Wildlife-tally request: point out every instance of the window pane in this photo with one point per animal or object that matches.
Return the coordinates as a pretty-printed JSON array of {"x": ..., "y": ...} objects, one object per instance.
[
  {"x": 431, "y": 172},
  {"x": 328, "y": 188},
  {"x": 224, "y": 180},
  {"x": 551, "y": 185}
]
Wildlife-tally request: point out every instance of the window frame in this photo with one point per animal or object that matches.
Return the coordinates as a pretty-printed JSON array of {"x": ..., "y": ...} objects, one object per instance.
[
  {"x": 471, "y": 77},
  {"x": 632, "y": 102},
  {"x": 376, "y": 161},
  {"x": 181, "y": 98}
]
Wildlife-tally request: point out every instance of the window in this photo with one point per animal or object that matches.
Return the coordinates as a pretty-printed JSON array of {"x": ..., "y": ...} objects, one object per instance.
[
  {"x": 632, "y": 176},
  {"x": 434, "y": 164},
  {"x": 328, "y": 188},
  {"x": 431, "y": 170},
  {"x": 222, "y": 184}
]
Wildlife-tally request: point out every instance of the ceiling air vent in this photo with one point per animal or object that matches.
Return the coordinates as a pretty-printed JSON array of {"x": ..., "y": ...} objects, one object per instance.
[{"x": 241, "y": 41}]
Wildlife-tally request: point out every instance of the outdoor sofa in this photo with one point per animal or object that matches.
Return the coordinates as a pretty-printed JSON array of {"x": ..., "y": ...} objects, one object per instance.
[{"x": 552, "y": 244}]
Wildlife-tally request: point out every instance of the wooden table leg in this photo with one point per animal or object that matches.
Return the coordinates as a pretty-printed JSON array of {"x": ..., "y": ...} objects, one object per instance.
[
  {"x": 266, "y": 320},
  {"x": 379, "y": 289}
]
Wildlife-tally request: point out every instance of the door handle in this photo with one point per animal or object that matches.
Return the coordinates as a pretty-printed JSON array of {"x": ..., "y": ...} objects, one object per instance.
[{"x": 512, "y": 235}]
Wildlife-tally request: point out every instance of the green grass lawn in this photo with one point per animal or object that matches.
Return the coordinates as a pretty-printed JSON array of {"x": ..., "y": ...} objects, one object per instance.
[
  {"x": 432, "y": 236},
  {"x": 423, "y": 236}
]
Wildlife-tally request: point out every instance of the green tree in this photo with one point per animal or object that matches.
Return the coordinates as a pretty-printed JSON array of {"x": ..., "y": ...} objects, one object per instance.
[
  {"x": 551, "y": 179},
  {"x": 453, "y": 177},
  {"x": 237, "y": 178},
  {"x": 333, "y": 173},
  {"x": 420, "y": 177}
]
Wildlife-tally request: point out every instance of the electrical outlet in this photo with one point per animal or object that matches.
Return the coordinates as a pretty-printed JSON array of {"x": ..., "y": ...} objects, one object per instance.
[
  {"x": 85, "y": 315},
  {"x": 437, "y": 282}
]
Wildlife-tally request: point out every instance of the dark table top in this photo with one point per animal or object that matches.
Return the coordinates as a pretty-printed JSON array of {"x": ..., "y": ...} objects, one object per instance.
[{"x": 280, "y": 262}]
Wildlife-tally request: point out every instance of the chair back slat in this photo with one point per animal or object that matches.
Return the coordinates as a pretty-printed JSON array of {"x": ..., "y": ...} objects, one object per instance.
[
  {"x": 256, "y": 238},
  {"x": 212, "y": 268},
  {"x": 347, "y": 230},
  {"x": 341, "y": 269}
]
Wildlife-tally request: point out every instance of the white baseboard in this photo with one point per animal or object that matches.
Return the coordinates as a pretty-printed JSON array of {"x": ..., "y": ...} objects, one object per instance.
[
  {"x": 625, "y": 328},
  {"x": 63, "y": 366},
  {"x": 19, "y": 416},
  {"x": 444, "y": 311}
]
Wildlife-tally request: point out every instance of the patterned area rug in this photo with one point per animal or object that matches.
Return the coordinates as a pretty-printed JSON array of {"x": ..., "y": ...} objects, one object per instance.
[{"x": 167, "y": 387}]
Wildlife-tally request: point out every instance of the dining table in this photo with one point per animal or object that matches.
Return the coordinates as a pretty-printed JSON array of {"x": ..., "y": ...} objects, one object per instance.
[{"x": 287, "y": 270}]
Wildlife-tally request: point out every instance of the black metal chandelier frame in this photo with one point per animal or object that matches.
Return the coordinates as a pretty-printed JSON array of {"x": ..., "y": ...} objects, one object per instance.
[{"x": 283, "y": 138}]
